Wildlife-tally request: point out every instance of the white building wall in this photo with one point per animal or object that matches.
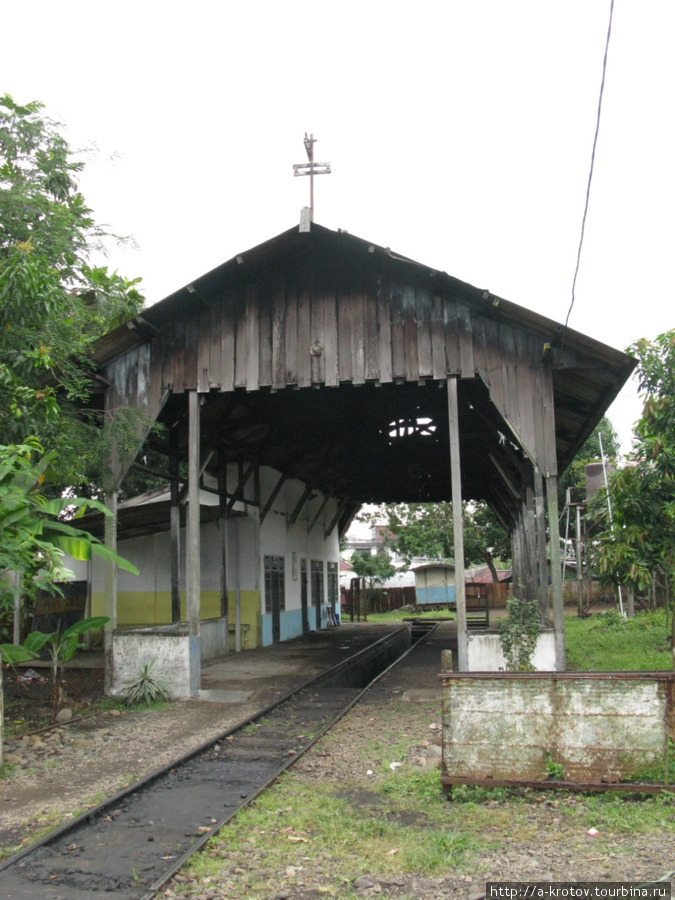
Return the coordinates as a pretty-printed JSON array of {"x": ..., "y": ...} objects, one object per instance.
[{"x": 145, "y": 599}]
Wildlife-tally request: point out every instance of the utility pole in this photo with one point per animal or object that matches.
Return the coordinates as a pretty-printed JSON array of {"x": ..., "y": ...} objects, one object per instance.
[{"x": 311, "y": 168}]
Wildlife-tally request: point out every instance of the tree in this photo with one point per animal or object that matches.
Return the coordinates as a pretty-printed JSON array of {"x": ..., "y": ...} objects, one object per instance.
[
  {"x": 375, "y": 568},
  {"x": 426, "y": 529},
  {"x": 641, "y": 538},
  {"x": 53, "y": 302},
  {"x": 34, "y": 538}
]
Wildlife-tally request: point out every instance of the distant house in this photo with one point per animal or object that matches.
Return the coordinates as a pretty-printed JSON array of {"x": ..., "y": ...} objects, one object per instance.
[
  {"x": 435, "y": 583},
  {"x": 483, "y": 575}
]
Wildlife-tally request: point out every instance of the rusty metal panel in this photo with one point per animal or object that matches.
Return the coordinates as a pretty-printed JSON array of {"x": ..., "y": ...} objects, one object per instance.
[{"x": 601, "y": 729}]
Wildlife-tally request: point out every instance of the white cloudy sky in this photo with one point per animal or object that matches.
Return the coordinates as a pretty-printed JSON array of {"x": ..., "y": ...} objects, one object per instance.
[{"x": 459, "y": 134}]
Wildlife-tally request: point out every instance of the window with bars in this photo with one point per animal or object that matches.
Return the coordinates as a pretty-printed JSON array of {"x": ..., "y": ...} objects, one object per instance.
[{"x": 274, "y": 583}]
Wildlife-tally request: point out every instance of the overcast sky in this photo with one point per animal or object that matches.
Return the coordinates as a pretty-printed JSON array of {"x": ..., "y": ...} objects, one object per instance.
[{"x": 459, "y": 133}]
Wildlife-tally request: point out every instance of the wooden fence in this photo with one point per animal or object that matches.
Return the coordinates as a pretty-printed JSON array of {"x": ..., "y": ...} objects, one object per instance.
[{"x": 387, "y": 599}]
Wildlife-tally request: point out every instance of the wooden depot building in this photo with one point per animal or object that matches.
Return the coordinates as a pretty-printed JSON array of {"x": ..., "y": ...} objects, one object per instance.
[{"x": 312, "y": 374}]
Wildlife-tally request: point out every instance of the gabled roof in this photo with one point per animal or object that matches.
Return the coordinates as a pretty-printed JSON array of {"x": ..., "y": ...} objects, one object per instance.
[{"x": 340, "y": 441}]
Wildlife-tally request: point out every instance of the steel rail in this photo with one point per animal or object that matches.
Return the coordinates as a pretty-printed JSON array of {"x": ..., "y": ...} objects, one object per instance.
[
  {"x": 199, "y": 845},
  {"x": 90, "y": 816}
]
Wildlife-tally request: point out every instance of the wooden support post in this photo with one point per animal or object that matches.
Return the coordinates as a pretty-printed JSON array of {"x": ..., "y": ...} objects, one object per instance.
[
  {"x": 530, "y": 544},
  {"x": 542, "y": 568},
  {"x": 255, "y": 515},
  {"x": 580, "y": 563},
  {"x": 515, "y": 556},
  {"x": 175, "y": 527},
  {"x": 110, "y": 591},
  {"x": 556, "y": 572},
  {"x": 222, "y": 488},
  {"x": 237, "y": 587},
  {"x": 193, "y": 581},
  {"x": 458, "y": 524}
]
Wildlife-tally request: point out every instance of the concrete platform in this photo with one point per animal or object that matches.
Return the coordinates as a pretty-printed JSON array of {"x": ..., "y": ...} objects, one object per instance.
[
  {"x": 272, "y": 670},
  {"x": 265, "y": 674}
]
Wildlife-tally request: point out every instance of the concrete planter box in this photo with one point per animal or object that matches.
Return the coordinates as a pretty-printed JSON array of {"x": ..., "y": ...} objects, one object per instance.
[
  {"x": 178, "y": 655},
  {"x": 597, "y": 729},
  {"x": 485, "y": 652}
]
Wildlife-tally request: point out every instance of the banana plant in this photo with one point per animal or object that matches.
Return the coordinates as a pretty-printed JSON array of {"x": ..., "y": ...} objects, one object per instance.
[
  {"x": 62, "y": 647},
  {"x": 32, "y": 536}
]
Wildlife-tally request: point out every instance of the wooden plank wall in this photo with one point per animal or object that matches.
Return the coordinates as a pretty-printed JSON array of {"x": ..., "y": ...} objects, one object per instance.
[{"x": 325, "y": 324}]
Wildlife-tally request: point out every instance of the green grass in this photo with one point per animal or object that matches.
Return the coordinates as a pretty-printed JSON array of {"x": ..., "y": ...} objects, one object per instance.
[
  {"x": 397, "y": 824},
  {"x": 320, "y": 835},
  {"x": 608, "y": 643}
]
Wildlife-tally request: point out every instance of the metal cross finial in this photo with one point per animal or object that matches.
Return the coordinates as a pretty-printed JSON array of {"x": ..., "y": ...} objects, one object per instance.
[{"x": 311, "y": 168}]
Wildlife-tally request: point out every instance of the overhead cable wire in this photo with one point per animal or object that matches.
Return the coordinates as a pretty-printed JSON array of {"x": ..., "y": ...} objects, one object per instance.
[{"x": 590, "y": 174}]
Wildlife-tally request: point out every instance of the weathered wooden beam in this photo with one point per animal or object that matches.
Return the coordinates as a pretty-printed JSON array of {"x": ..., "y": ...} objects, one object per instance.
[
  {"x": 556, "y": 573},
  {"x": 328, "y": 530},
  {"x": 175, "y": 528},
  {"x": 158, "y": 473},
  {"x": 515, "y": 490},
  {"x": 458, "y": 525},
  {"x": 530, "y": 533},
  {"x": 293, "y": 518},
  {"x": 193, "y": 555},
  {"x": 241, "y": 486},
  {"x": 346, "y": 522},
  {"x": 110, "y": 591},
  {"x": 542, "y": 568},
  {"x": 222, "y": 528},
  {"x": 272, "y": 497},
  {"x": 321, "y": 508}
]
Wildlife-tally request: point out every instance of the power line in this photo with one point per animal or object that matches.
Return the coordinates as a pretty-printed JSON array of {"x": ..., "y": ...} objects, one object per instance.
[{"x": 590, "y": 174}]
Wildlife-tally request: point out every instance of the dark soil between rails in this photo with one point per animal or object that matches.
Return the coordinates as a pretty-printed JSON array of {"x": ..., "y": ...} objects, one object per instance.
[{"x": 28, "y": 697}]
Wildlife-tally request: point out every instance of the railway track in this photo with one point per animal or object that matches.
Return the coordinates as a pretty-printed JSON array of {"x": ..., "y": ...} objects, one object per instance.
[{"x": 131, "y": 844}]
